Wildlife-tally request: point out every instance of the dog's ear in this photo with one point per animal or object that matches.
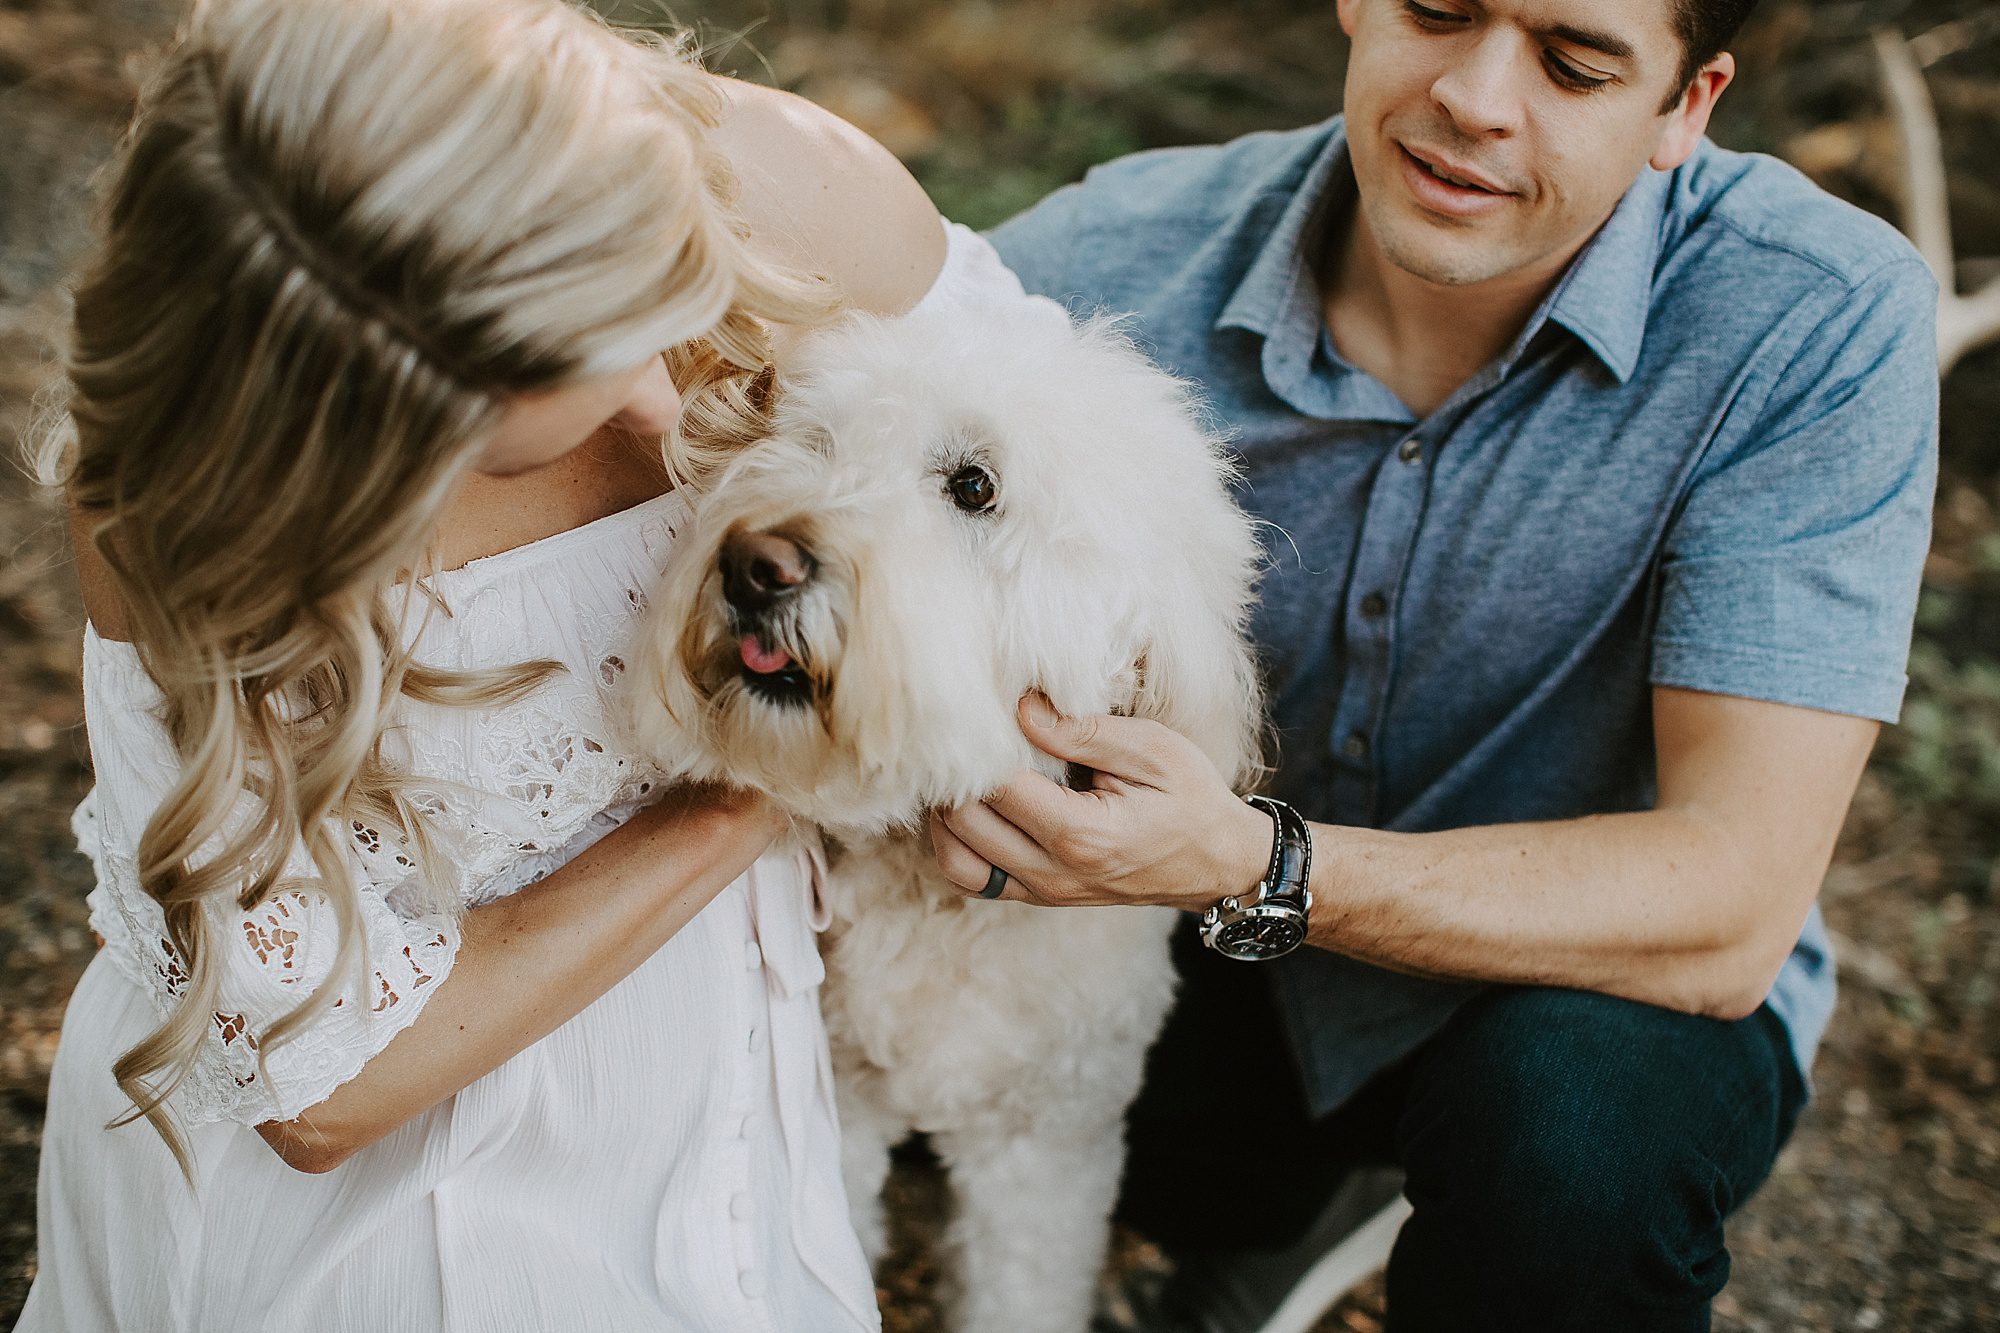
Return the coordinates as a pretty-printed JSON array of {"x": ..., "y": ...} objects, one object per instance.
[
  {"x": 1198, "y": 672},
  {"x": 1200, "y": 678}
]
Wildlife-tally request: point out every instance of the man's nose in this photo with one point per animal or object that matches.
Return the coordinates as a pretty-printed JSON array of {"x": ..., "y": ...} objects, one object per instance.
[
  {"x": 760, "y": 569},
  {"x": 1483, "y": 89}
]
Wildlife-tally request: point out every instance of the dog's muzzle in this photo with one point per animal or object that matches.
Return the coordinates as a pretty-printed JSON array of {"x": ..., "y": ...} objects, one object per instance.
[
  {"x": 761, "y": 569},
  {"x": 762, "y": 572}
]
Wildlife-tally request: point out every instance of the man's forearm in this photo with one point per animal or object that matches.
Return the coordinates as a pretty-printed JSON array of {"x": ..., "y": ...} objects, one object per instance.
[
  {"x": 1657, "y": 906},
  {"x": 1692, "y": 905}
]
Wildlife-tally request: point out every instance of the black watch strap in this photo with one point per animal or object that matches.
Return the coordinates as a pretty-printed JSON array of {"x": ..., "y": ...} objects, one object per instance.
[{"x": 1290, "y": 871}]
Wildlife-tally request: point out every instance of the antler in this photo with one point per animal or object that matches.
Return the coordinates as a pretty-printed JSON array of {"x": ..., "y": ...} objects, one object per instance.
[{"x": 1964, "y": 321}]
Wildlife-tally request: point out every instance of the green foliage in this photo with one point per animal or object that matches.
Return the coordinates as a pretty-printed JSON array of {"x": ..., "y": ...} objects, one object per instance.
[
  {"x": 1041, "y": 143},
  {"x": 1945, "y": 756}
]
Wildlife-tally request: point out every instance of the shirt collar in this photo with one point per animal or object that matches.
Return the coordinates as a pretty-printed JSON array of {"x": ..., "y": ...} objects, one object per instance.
[
  {"x": 1278, "y": 298},
  {"x": 1606, "y": 296},
  {"x": 1603, "y": 298},
  {"x": 1280, "y": 273}
]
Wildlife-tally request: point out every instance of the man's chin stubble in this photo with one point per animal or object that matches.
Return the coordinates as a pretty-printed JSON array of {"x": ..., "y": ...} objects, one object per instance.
[{"x": 1443, "y": 270}]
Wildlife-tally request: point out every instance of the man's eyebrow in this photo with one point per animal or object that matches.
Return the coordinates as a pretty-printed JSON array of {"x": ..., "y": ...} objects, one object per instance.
[{"x": 1615, "y": 47}]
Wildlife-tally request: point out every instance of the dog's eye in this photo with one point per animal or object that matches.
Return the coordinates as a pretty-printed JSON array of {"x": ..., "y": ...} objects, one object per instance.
[{"x": 972, "y": 489}]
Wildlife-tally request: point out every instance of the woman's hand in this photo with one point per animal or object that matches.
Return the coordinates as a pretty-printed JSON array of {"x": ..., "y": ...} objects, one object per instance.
[
  {"x": 743, "y": 823},
  {"x": 1158, "y": 824}
]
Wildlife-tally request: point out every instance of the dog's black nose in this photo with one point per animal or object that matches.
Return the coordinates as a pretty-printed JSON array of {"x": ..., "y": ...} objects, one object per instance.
[{"x": 762, "y": 568}]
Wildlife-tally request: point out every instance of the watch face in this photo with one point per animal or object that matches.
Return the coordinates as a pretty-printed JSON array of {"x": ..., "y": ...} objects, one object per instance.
[{"x": 1261, "y": 936}]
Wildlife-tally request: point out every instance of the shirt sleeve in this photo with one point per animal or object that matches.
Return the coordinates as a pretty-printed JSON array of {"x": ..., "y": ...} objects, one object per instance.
[
  {"x": 1790, "y": 572},
  {"x": 272, "y": 956}
]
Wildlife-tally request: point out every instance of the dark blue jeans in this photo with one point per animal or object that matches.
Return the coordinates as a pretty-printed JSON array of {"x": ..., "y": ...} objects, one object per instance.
[{"x": 1570, "y": 1156}]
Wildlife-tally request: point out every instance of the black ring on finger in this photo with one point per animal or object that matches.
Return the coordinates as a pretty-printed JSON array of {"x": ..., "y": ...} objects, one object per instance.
[{"x": 996, "y": 883}]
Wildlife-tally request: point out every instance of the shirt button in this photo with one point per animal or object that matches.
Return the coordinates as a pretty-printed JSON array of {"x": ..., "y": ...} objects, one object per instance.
[
  {"x": 743, "y": 1129},
  {"x": 753, "y": 957},
  {"x": 756, "y": 1040},
  {"x": 739, "y": 1207},
  {"x": 1355, "y": 746},
  {"x": 752, "y": 1283},
  {"x": 1410, "y": 450},
  {"x": 1374, "y": 605}
]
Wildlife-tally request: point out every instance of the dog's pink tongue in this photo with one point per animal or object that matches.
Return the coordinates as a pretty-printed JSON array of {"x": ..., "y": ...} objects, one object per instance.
[{"x": 763, "y": 660}]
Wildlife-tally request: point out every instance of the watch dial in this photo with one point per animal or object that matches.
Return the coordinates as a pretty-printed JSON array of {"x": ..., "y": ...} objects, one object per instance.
[{"x": 1261, "y": 937}]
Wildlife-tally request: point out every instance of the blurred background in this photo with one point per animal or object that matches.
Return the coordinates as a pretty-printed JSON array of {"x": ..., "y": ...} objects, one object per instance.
[{"x": 1884, "y": 1212}]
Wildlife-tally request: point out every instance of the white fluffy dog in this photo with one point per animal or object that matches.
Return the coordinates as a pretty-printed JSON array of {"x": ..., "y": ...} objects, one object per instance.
[{"x": 972, "y": 501}]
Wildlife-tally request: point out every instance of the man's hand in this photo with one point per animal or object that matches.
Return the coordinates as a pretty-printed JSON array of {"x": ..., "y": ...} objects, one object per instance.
[{"x": 1158, "y": 824}]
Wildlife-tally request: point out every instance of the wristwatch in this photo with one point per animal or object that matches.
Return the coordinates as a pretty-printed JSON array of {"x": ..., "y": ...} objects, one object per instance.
[{"x": 1270, "y": 920}]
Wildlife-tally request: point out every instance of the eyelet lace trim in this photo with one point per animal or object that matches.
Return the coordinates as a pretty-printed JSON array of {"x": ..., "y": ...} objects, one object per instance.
[{"x": 546, "y": 779}]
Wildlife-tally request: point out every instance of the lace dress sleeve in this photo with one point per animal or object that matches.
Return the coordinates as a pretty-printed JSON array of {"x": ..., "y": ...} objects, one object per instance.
[{"x": 272, "y": 956}]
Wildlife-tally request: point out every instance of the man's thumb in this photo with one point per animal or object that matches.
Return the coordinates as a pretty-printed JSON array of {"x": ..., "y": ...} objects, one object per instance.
[{"x": 1095, "y": 742}]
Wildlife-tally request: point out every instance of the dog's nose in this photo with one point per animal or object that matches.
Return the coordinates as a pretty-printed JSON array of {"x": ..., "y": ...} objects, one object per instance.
[{"x": 760, "y": 568}]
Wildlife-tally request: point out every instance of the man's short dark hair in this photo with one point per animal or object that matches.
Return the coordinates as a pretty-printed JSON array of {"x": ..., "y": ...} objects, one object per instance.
[{"x": 1706, "y": 28}]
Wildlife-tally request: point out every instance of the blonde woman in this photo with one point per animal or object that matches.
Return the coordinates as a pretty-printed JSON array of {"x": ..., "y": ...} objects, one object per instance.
[{"x": 423, "y": 1005}]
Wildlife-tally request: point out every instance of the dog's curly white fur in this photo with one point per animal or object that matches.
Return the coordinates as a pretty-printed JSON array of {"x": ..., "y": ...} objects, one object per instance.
[{"x": 972, "y": 501}]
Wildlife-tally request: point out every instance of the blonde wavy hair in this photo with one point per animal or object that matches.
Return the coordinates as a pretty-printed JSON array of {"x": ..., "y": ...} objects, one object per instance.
[{"x": 337, "y": 237}]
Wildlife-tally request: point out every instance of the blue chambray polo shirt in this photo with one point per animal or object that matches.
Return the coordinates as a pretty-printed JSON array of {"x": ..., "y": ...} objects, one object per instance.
[{"x": 1707, "y": 461}]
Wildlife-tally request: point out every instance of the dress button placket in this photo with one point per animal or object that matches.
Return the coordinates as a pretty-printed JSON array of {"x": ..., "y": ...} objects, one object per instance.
[{"x": 744, "y": 1119}]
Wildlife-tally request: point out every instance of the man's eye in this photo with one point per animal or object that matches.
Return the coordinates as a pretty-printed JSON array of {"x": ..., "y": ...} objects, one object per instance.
[
  {"x": 1569, "y": 76},
  {"x": 1426, "y": 17},
  {"x": 972, "y": 489}
]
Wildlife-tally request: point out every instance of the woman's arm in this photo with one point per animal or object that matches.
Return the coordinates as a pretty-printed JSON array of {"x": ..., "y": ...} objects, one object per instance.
[
  {"x": 820, "y": 195},
  {"x": 529, "y": 962}
]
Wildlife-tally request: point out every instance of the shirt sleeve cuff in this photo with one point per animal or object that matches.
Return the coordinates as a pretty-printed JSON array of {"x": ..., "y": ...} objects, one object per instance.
[{"x": 1776, "y": 677}]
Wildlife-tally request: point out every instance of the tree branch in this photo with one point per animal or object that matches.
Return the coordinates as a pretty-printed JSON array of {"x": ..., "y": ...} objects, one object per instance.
[{"x": 1964, "y": 322}]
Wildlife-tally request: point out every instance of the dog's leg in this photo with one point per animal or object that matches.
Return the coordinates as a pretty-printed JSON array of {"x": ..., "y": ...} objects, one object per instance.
[
  {"x": 1032, "y": 1226},
  {"x": 867, "y": 1133}
]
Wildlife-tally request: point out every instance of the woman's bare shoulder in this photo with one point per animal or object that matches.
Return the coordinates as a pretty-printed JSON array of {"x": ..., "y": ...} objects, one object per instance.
[
  {"x": 102, "y": 602},
  {"x": 818, "y": 193}
]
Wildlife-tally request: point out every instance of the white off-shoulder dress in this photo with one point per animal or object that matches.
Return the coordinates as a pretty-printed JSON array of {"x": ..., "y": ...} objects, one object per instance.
[{"x": 666, "y": 1160}]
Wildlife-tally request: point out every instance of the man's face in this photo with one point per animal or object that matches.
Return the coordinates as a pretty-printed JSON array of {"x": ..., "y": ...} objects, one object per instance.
[{"x": 1493, "y": 137}]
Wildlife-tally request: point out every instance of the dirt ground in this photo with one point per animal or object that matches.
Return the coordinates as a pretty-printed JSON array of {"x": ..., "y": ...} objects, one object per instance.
[{"x": 1883, "y": 1213}]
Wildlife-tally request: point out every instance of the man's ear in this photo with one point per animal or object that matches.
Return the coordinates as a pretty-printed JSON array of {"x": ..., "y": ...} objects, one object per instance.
[
  {"x": 1688, "y": 120},
  {"x": 1346, "y": 10}
]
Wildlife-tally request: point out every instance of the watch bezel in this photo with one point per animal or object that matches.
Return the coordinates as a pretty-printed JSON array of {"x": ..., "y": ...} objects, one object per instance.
[{"x": 1220, "y": 924}]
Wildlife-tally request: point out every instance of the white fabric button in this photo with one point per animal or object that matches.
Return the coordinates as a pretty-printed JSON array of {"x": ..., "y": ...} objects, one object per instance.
[
  {"x": 756, "y": 1040},
  {"x": 743, "y": 1130},
  {"x": 753, "y": 957},
  {"x": 752, "y": 1283},
  {"x": 739, "y": 1207}
]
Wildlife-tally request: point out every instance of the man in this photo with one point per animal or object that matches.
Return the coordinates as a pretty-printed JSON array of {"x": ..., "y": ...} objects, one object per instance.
[{"x": 1599, "y": 462}]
